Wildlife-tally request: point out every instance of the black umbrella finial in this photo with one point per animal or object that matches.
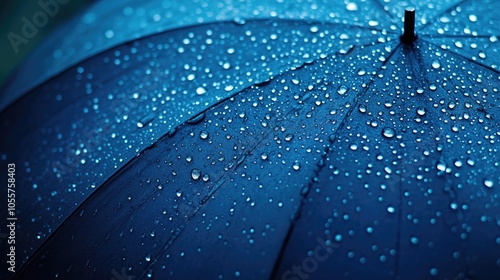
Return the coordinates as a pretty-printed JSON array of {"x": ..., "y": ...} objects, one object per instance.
[{"x": 409, "y": 29}]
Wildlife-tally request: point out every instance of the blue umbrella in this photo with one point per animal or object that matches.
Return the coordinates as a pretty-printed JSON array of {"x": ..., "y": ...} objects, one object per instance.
[{"x": 268, "y": 148}]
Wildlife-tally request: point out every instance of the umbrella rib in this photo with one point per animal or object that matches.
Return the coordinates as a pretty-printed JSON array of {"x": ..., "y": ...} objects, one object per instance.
[
  {"x": 331, "y": 141},
  {"x": 346, "y": 25},
  {"x": 497, "y": 71},
  {"x": 456, "y": 36}
]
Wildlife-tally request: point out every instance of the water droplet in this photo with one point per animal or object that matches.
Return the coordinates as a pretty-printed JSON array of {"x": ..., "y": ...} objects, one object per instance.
[
  {"x": 201, "y": 91},
  {"x": 296, "y": 165},
  {"x": 342, "y": 90},
  {"x": 454, "y": 205},
  {"x": 362, "y": 108},
  {"x": 109, "y": 34},
  {"x": 441, "y": 166},
  {"x": 195, "y": 174},
  {"x": 204, "y": 134},
  {"x": 145, "y": 120},
  {"x": 196, "y": 119},
  {"x": 229, "y": 88},
  {"x": 391, "y": 209},
  {"x": 473, "y": 18},
  {"x": 239, "y": 21},
  {"x": 433, "y": 271},
  {"x": 288, "y": 137},
  {"x": 421, "y": 111},
  {"x": 413, "y": 240},
  {"x": 435, "y": 64},
  {"x": 388, "y": 132},
  {"x": 263, "y": 156},
  {"x": 338, "y": 237},
  {"x": 205, "y": 177},
  {"x": 352, "y": 7},
  {"x": 488, "y": 183},
  {"x": 314, "y": 29},
  {"x": 148, "y": 257}
]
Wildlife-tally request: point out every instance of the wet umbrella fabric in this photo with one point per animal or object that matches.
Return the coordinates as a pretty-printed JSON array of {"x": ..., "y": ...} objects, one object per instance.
[
  {"x": 226, "y": 185},
  {"x": 107, "y": 24},
  {"x": 107, "y": 119}
]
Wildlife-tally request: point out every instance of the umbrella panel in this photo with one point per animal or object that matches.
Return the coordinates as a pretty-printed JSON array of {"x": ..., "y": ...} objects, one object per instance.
[{"x": 178, "y": 199}]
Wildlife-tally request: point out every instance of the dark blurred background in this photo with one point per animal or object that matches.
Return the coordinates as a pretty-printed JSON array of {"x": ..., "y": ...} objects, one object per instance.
[{"x": 11, "y": 20}]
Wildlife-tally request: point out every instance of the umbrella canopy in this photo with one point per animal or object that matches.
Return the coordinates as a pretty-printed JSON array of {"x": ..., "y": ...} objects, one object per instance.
[
  {"x": 268, "y": 148},
  {"x": 108, "y": 24}
]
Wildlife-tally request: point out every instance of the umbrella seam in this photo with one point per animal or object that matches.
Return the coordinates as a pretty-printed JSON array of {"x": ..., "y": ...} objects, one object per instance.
[
  {"x": 432, "y": 36},
  {"x": 331, "y": 141},
  {"x": 464, "y": 57}
]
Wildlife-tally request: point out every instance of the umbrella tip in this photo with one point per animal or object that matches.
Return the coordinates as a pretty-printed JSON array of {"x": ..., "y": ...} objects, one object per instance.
[{"x": 409, "y": 28}]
